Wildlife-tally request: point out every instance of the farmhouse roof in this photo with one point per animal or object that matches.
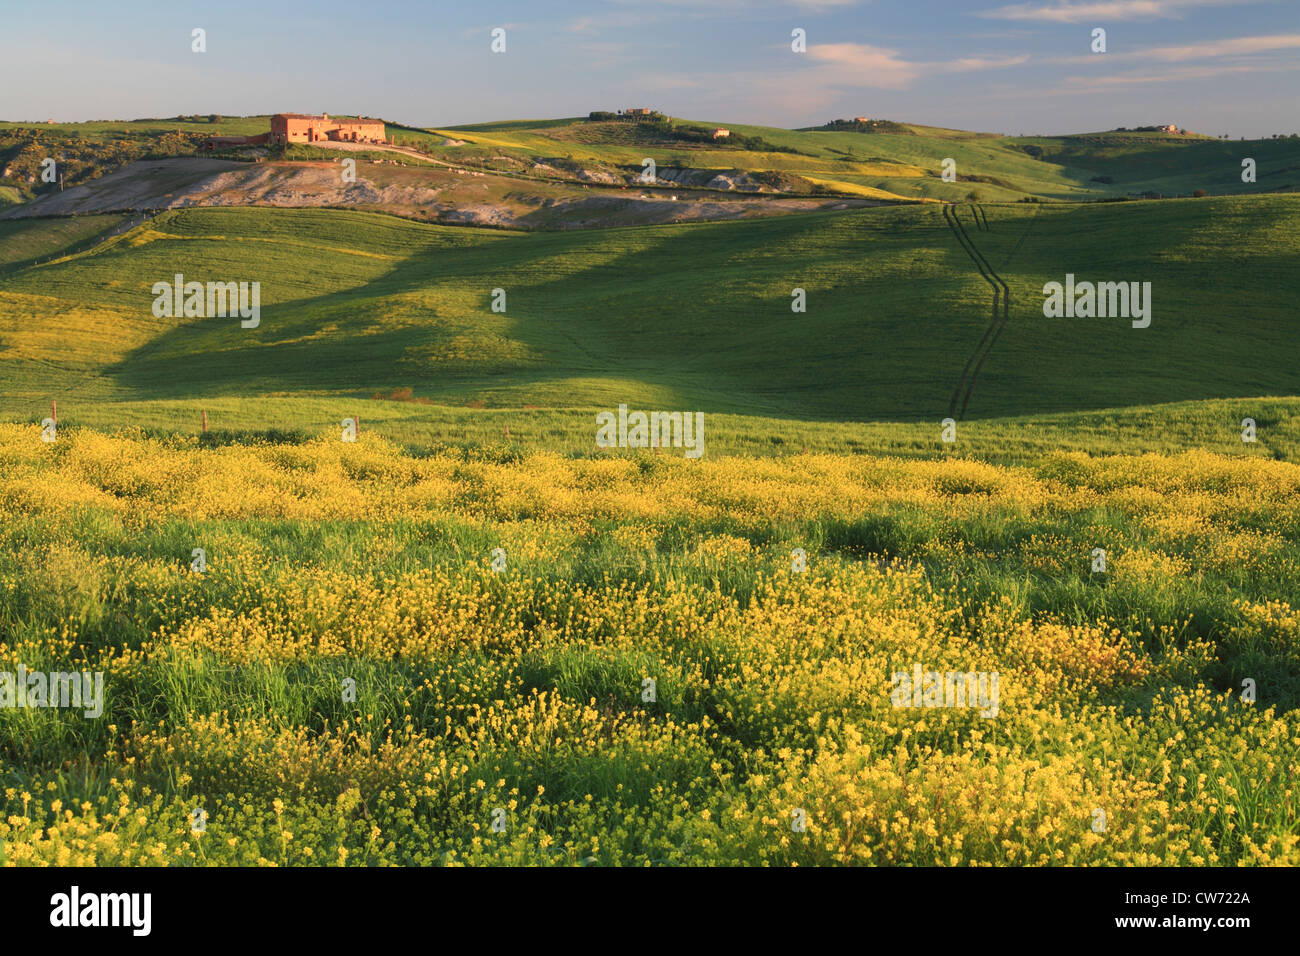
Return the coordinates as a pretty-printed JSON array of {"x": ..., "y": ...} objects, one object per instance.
[{"x": 325, "y": 116}]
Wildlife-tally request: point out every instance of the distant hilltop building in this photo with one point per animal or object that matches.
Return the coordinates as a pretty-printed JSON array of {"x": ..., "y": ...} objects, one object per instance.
[
  {"x": 638, "y": 111},
  {"x": 861, "y": 119},
  {"x": 306, "y": 128},
  {"x": 721, "y": 133},
  {"x": 1167, "y": 128}
]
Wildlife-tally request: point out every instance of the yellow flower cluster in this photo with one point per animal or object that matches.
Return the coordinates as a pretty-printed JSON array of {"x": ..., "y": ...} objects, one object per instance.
[{"x": 646, "y": 674}]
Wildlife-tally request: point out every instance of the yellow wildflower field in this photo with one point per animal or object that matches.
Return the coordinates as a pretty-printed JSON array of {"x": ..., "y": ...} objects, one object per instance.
[{"x": 336, "y": 653}]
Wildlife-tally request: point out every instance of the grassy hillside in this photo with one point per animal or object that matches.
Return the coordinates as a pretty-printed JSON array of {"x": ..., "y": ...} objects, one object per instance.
[
  {"x": 675, "y": 317},
  {"x": 902, "y": 164},
  {"x": 998, "y": 168},
  {"x": 106, "y": 130},
  {"x": 1138, "y": 163},
  {"x": 23, "y": 242}
]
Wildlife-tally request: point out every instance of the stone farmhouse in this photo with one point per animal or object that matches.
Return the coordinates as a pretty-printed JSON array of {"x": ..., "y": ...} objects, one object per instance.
[{"x": 306, "y": 128}]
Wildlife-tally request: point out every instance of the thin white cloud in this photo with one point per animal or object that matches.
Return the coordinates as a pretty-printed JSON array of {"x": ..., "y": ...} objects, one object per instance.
[
  {"x": 859, "y": 65},
  {"x": 832, "y": 70},
  {"x": 616, "y": 19},
  {"x": 723, "y": 5},
  {"x": 1213, "y": 49},
  {"x": 982, "y": 63},
  {"x": 864, "y": 65},
  {"x": 1094, "y": 10},
  {"x": 1078, "y": 84},
  {"x": 646, "y": 12},
  {"x": 625, "y": 14},
  {"x": 1099, "y": 85},
  {"x": 1216, "y": 48}
]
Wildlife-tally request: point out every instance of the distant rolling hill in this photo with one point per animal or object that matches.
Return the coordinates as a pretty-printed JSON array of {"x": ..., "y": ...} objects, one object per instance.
[
  {"x": 533, "y": 165},
  {"x": 908, "y": 163},
  {"x": 690, "y": 316}
]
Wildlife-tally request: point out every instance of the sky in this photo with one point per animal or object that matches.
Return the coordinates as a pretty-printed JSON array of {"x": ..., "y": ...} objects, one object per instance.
[{"x": 1020, "y": 67}]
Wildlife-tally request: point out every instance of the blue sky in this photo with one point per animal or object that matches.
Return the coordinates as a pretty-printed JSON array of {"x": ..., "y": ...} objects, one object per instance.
[{"x": 1025, "y": 66}]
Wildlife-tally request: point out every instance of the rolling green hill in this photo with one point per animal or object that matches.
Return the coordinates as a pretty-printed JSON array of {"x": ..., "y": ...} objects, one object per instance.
[
  {"x": 909, "y": 163},
  {"x": 672, "y": 317},
  {"x": 24, "y": 241},
  {"x": 883, "y": 165}
]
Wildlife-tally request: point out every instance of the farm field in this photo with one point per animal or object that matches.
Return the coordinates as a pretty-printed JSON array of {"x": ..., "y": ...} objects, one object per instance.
[
  {"x": 501, "y": 708},
  {"x": 473, "y": 637},
  {"x": 693, "y": 316}
]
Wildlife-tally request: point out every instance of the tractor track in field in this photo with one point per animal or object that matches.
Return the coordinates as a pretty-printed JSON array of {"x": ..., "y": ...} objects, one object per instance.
[{"x": 1000, "y": 310}]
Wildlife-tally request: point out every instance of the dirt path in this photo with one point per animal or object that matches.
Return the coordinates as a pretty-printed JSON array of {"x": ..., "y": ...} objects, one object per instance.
[{"x": 1000, "y": 311}]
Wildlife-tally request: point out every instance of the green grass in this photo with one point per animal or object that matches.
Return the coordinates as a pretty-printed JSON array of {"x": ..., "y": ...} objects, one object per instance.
[
  {"x": 909, "y": 164},
  {"x": 1166, "y": 429},
  {"x": 1172, "y": 165},
  {"x": 106, "y": 130},
  {"x": 477, "y": 688},
  {"x": 24, "y": 241},
  {"x": 673, "y": 317}
]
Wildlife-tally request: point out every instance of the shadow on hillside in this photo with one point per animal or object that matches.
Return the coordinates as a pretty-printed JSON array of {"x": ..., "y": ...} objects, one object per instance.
[
  {"x": 702, "y": 313},
  {"x": 621, "y": 304}
]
